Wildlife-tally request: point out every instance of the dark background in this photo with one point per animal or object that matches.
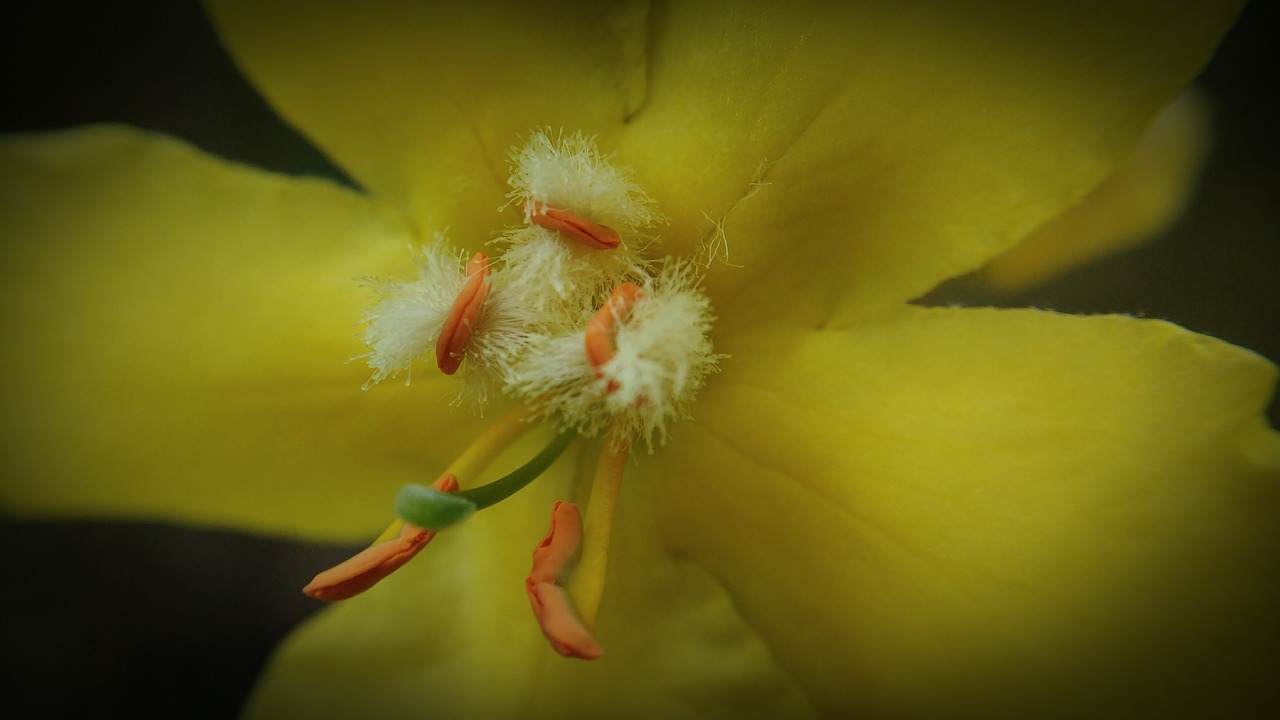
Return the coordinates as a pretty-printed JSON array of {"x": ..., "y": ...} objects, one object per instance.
[{"x": 147, "y": 620}]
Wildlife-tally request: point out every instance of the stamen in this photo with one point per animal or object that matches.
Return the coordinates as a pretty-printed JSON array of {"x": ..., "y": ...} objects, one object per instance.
[
  {"x": 599, "y": 336},
  {"x": 405, "y": 321},
  {"x": 587, "y": 587},
  {"x": 463, "y": 315},
  {"x": 569, "y": 171},
  {"x": 401, "y": 541},
  {"x": 364, "y": 570},
  {"x": 572, "y": 224},
  {"x": 553, "y": 560}
]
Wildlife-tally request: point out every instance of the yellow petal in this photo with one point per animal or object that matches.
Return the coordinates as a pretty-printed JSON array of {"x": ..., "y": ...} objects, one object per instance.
[
  {"x": 976, "y": 513},
  {"x": 421, "y": 102},
  {"x": 924, "y": 137},
  {"x": 876, "y": 151},
  {"x": 1136, "y": 204},
  {"x": 452, "y": 633},
  {"x": 177, "y": 341}
]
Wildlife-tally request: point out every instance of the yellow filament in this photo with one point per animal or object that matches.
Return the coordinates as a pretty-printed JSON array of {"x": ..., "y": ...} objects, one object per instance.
[
  {"x": 392, "y": 531},
  {"x": 587, "y": 586},
  {"x": 473, "y": 461}
]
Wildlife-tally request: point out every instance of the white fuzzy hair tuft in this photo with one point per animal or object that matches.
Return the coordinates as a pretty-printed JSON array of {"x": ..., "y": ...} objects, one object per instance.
[
  {"x": 663, "y": 355},
  {"x": 569, "y": 172},
  {"x": 407, "y": 316},
  {"x": 543, "y": 290},
  {"x": 563, "y": 282}
]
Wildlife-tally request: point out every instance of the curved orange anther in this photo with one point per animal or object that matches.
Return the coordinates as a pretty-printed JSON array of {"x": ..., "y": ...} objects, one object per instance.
[
  {"x": 554, "y": 557},
  {"x": 600, "y": 237},
  {"x": 463, "y": 315},
  {"x": 362, "y": 571},
  {"x": 599, "y": 336}
]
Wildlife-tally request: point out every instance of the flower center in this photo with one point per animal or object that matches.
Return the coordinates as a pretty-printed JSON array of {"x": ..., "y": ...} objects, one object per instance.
[{"x": 576, "y": 324}]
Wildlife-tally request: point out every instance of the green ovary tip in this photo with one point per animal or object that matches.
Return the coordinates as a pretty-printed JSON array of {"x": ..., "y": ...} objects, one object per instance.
[{"x": 432, "y": 509}]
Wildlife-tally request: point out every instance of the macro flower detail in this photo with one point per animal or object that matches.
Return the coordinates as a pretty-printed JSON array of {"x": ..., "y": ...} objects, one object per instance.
[
  {"x": 410, "y": 316},
  {"x": 559, "y": 182},
  {"x": 877, "y": 509},
  {"x": 378, "y": 561},
  {"x": 551, "y": 604},
  {"x": 637, "y": 364}
]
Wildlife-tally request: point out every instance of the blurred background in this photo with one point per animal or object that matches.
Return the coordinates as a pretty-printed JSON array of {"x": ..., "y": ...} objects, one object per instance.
[{"x": 146, "y": 620}]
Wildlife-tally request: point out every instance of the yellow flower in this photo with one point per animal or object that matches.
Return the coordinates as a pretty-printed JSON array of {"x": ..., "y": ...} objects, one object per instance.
[{"x": 880, "y": 507}]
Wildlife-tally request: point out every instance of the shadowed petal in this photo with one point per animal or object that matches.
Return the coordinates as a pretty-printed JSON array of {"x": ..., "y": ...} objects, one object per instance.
[
  {"x": 178, "y": 331},
  {"x": 993, "y": 512},
  {"x": 421, "y": 102},
  {"x": 451, "y": 634},
  {"x": 1137, "y": 203},
  {"x": 855, "y": 154},
  {"x": 864, "y": 152}
]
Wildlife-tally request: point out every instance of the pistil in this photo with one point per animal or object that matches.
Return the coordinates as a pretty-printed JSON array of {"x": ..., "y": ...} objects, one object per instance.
[{"x": 436, "y": 510}]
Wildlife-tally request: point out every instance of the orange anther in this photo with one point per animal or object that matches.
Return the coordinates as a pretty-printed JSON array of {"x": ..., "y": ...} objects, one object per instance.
[
  {"x": 554, "y": 557},
  {"x": 570, "y": 223},
  {"x": 362, "y": 571},
  {"x": 599, "y": 336},
  {"x": 463, "y": 315}
]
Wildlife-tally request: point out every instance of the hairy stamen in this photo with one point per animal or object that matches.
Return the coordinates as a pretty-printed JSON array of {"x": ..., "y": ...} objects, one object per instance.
[
  {"x": 572, "y": 224},
  {"x": 599, "y": 335},
  {"x": 463, "y": 315}
]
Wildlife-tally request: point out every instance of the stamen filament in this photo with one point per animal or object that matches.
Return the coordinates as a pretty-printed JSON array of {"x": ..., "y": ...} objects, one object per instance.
[{"x": 587, "y": 586}]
